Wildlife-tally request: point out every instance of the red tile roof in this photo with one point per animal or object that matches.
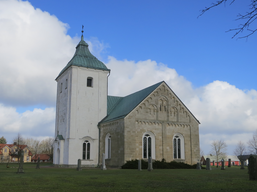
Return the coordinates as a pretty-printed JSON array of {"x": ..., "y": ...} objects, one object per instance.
[
  {"x": 12, "y": 145},
  {"x": 41, "y": 156}
]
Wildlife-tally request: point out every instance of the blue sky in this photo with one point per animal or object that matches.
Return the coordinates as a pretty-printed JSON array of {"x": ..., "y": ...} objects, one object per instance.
[
  {"x": 212, "y": 73},
  {"x": 168, "y": 32}
]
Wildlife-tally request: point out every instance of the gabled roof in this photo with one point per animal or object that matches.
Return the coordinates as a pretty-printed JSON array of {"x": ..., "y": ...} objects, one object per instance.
[
  {"x": 3, "y": 145},
  {"x": 12, "y": 145},
  {"x": 83, "y": 58},
  {"x": 119, "y": 107},
  {"x": 59, "y": 137},
  {"x": 41, "y": 156}
]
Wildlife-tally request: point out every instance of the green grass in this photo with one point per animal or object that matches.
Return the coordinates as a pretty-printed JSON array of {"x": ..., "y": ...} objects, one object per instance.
[{"x": 61, "y": 179}]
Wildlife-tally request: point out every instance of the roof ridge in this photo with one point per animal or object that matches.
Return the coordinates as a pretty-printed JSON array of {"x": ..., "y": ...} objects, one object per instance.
[{"x": 125, "y": 105}]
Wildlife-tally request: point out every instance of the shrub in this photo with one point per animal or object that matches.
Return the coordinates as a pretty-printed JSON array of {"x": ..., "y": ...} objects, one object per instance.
[{"x": 133, "y": 164}]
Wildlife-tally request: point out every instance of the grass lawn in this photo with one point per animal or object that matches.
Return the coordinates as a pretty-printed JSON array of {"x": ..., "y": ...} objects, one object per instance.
[{"x": 61, "y": 179}]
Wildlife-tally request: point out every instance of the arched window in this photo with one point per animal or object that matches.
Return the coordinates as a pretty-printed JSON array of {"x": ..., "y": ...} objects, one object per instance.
[
  {"x": 86, "y": 150},
  {"x": 178, "y": 146},
  {"x": 148, "y": 145},
  {"x": 108, "y": 144},
  {"x": 89, "y": 82}
]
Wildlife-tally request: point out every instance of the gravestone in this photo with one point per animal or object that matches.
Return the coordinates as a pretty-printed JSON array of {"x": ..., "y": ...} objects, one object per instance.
[
  {"x": 150, "y": 164},
  {"x": 79, "y": 165},
  {"x": 139, "y": 165},
  {"x": 229, "y": 162},
  {"x": 213, "y": 163},
  {"x": 20, "y": 169},
  {"x": 38, "y": 161},
  {"x": 252, "y": 168},
  {"x": 103, "y": 163},
  {"x": 242, "y": 164},
  {"x": 222, "y": 164},
  {"x": 198, "y": 166},
  {"x": 208, "y": 164}
]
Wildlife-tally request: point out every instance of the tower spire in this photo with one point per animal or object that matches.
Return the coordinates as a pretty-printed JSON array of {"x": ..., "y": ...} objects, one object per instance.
[{"x": 82, "y": 32}]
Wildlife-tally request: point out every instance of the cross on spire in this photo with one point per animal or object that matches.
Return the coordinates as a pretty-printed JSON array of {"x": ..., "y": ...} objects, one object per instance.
[{"x": 82, "y": 29}]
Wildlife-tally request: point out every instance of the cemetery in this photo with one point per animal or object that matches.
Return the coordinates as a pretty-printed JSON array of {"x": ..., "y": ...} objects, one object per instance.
[{"x": 44, "y": 176}]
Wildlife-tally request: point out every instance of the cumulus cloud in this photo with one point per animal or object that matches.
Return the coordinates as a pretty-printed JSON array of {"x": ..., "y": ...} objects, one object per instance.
[
  {"x": 225, "y": 112},
  {"x": 34, "y": 48},
  {"x": 138, "y": 75},
  {"x": 36, "y": 123}
]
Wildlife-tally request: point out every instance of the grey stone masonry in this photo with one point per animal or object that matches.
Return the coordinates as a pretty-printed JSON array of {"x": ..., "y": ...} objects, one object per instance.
[
  {"x": 242, "y": 164},
  {"x": 20, "y": 169},
  {"x": 150, "y": 164},
  {"x": 208, "y": 164},
  {"x": 103, "y": 163},
  {"x": 79, "y": 165},
  {"x": 252, "y": 168},
  {"x": 222, "y": 164},
  {"x": 198, "y": 166},
  {"x": 139, "y": 165},
  {"x": 38, "y": 163},
  {"x": 229, "y": 162}
]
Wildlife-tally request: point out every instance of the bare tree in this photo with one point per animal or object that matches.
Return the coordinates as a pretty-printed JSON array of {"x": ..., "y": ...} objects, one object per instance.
[
  {"x": 33, "y": 145},
  {"x": 19, "y": 140},
  {"x": 201, "y": 153},
  {"x": 248, "y": 17},
  {"x": 240, "y": 148},
  {"x": 252, "y": 144},
  {"x": 218, "y": 148},
  {"x": 46, "y": 146}
]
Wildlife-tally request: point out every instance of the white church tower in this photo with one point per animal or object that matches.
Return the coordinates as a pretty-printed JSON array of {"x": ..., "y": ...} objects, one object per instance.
[{"x": 81, "y": 104}]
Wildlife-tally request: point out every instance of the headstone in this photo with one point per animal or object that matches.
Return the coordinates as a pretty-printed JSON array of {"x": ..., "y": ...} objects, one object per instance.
[
  {"x": 139, "y": 165},
  {"x": 213, "y": 163},
  {"x": 252, "y": 168},
  {"x": 208, "y": 164},
  {"x": 198, "y": 166},
  {"x": 103, "y": 163},
  {"x": 222, "y": 164},
  {"x": 38, "y": 162},
  {"x": 20, "y": 169},
  {"x": 229, "y": 162},
  {"x": 242, "y": 164},
  {"x": 79, "y": 165},
  {"x": 150, "y": 164}
]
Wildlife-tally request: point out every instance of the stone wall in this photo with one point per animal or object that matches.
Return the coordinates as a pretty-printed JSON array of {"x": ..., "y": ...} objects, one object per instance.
[
  {"x": 116, "y": 130},
  {"x": 162, "y": 115}
]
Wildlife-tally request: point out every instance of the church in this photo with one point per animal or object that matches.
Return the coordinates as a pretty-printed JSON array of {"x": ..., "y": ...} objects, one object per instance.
[{"x": 152, "y": 122}]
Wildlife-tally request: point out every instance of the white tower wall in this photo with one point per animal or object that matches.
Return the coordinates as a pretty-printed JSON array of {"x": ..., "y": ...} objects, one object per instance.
[{"x": 79, "y": 109}]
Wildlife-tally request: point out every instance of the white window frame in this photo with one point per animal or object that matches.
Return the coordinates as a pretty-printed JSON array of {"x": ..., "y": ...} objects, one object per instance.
[
  {"x": 86, "y": 142},
  {"x": 152, "y": 136},
  {"x": 176, "y": 137}
]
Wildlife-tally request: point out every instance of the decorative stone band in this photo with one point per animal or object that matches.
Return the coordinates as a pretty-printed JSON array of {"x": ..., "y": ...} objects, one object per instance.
[
  {"x": 110, "y": 124},
  {"x": 183, "y": 125}
]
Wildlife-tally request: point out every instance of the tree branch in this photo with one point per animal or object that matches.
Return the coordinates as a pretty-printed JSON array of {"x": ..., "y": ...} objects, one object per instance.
[{"x": 250, "y": 17}]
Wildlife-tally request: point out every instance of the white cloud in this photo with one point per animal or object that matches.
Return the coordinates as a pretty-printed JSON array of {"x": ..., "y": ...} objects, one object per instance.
[
  {"x": 225, "y": 112},
  {"x": 34, "y": 47},
  {"x": 130, "y": 76},
  {"x": 36, "y": 123}
]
